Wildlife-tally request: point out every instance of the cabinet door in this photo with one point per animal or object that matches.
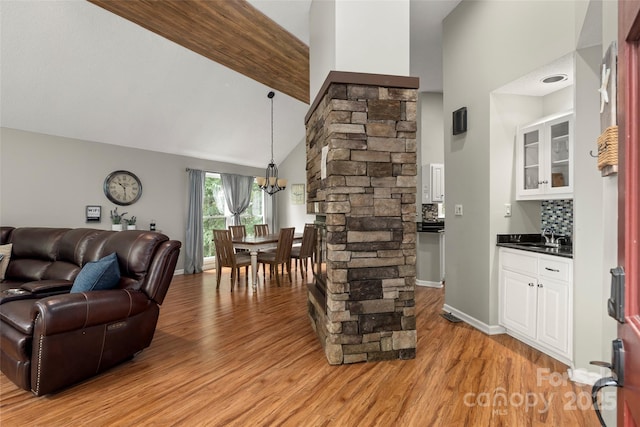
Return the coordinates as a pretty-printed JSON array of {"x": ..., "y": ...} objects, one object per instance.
[
  {"x": 518, "y": 302},
  {"x": 437, "y": 182},
  {"x": 554, "y": 312},
  {"x": 558, "y": 177},
  {"x": 529, "y": 161}
]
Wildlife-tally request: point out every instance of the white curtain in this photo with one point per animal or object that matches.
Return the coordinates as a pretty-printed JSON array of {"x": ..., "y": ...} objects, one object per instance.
[
  {"x": 237, "y": 194},
  {"x": 193, "y": 256}
]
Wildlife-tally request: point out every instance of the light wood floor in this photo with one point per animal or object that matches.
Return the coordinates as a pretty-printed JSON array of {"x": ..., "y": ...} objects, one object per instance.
[{"x": 251, "y": 359}]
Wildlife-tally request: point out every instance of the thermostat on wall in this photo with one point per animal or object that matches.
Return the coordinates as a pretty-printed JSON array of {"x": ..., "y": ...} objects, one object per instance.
[{"x": 460, "y": 121}]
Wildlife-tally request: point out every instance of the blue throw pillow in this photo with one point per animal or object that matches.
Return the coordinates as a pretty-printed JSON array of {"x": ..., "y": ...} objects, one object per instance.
[{"x": 98, "y": 275}]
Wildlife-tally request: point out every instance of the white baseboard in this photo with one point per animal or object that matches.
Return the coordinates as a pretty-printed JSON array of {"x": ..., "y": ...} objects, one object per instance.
[
  {"x": 428, "y": 283},
  {"x": 481, "y": 326},
  {"x": 178, "y": 272},
  {"x": 583, "y": 376}
]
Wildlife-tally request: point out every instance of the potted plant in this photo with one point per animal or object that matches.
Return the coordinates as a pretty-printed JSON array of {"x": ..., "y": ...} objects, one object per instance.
[
  {"x": 131, "y": 223},
  {"x": 117, "y": 219}
]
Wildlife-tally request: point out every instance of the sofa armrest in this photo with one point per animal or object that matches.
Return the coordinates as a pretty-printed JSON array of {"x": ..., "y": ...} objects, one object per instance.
[
  {"x": 78, "y": 335},
  {"x": 69, "y": 312},
  {"x": 44, "y": 287}
]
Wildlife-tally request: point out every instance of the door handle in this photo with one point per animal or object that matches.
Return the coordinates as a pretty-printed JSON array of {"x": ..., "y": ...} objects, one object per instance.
[
  {"x": 615, "y": 303},
  {"x": 615, "y": 380}
]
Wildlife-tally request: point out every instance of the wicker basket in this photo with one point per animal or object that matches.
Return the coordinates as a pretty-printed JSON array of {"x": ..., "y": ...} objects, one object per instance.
[{"x": 608, "y": 147}]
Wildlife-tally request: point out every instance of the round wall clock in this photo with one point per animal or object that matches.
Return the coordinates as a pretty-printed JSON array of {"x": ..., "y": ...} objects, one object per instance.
[{"x": 122, "y": 187}]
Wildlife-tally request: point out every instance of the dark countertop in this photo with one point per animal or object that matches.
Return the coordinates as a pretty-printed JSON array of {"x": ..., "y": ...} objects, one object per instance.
[
  {"x": 430, "y": 227},
  {"x": 524, "y": 242}
]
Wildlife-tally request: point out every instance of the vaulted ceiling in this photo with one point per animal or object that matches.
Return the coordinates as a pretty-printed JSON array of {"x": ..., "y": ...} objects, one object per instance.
[{"x": 187, "y": 77}]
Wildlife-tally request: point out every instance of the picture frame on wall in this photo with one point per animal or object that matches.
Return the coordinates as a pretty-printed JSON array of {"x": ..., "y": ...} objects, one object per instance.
[
  {"x": 297, "y": 194},
  {"x": 93, "y": 213}
]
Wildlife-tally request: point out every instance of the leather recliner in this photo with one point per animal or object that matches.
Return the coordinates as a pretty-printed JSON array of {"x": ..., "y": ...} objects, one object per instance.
[{"x": 50, "y": 338}]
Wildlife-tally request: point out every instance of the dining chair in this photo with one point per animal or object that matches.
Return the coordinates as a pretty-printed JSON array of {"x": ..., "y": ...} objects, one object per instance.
[
  {"x": 261, "y": 229},
  {"x": 237, "y": 232},
  {"x": 281, "y": 256},
  {"x": 302, "y": 253},
  {"x": 226, "y": 257}
]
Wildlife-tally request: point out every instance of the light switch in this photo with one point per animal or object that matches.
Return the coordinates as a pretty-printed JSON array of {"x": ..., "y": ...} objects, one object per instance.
[
  {"x": 457, "y": 210},
  {"x": 507, "y": 209}
]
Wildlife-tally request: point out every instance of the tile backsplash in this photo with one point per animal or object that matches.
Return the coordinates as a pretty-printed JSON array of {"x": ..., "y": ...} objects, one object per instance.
[
  {"x": 430, "y": 212},
  {"x": 558, "y": 216}
]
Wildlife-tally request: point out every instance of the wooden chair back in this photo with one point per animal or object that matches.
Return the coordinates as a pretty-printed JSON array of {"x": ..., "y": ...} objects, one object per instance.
[
  {"x": 308, "y": 241},
  {"x": 283, "y": 250},
  {"x": 261, "y": 229},
  {"x": 225, "y": 255},
  {"x": 237, "y": 231}
]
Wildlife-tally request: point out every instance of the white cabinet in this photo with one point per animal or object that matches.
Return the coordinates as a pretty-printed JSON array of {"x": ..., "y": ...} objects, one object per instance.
[
  {"x": 535, "y": 300},
  {"x": 433, "y": 183},
  {"x": 544, "y": 159}
]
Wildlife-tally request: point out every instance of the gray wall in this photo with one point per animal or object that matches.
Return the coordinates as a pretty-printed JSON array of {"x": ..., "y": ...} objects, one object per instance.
[
  {"x": 293, "y": 168},
  {"x": 428, "y": 258},
  {"x": 481, "y": 52},
  {"x": 475, "y": 38},
  {"x": 431, "y": 130},
  {"x": 430, "y": 150},
  {"x": 47, "y": 181}
]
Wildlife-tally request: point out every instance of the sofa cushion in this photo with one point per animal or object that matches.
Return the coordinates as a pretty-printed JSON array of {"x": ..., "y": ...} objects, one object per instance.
[
  {"x": 26, "y": 269},
  {"x": 98, "y": 275},
  {"x": 36, "y": 243},
  {"x": 5, "y": 255}
]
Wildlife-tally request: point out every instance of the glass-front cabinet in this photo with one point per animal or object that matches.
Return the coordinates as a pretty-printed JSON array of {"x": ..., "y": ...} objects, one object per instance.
[{"x": 544, "y": 159}]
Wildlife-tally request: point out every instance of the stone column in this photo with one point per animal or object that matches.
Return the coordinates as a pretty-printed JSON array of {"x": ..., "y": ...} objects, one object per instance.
[{"x": 361, "y": 175}]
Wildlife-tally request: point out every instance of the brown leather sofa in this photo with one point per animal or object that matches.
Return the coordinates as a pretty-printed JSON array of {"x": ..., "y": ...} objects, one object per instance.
[{"x": 50, "y": 338}]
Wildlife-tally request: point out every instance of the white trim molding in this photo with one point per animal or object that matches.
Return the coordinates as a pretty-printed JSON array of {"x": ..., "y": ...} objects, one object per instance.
[
  {"x": 481, "y": 326},
  {"x": 429, "y": 284}
]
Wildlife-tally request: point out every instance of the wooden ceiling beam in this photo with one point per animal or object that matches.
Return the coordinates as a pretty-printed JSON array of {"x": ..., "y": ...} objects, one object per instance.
[{"x": 230, "y": 32}]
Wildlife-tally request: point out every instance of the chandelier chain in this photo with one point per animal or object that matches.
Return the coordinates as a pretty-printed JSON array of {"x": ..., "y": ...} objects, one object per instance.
[
  {"x": 272, "y": 130},
  {"x": 271, "y": 183}
]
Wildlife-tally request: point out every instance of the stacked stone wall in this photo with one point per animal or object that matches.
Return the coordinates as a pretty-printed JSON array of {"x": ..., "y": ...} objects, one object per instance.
[{"x": 365, "y": 185}]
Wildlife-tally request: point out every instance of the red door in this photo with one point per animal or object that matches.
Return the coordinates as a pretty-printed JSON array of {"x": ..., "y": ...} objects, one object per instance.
[{"x": 629, "y": 205}]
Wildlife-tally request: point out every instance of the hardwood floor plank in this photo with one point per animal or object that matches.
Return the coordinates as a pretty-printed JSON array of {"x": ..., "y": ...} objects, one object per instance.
[{"x": 241, "y": 358}]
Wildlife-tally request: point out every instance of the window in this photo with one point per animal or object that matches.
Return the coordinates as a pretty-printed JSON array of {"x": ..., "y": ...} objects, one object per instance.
[{"x": 215, "y": 212}]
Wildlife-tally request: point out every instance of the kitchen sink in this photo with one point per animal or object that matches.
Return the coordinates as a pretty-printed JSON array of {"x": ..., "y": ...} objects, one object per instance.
[{"x": 536, "y": 244}]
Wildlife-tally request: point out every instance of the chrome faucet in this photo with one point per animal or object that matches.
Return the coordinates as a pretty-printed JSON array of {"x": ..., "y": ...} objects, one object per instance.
[{"x": 553, "y": 241}]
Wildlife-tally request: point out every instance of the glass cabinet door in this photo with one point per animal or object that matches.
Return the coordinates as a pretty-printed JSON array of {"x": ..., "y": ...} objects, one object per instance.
[
  {"x": 559, "y": 154},
  {"x": 544, "y": 159},
  {"x": 531, "y": 147}
]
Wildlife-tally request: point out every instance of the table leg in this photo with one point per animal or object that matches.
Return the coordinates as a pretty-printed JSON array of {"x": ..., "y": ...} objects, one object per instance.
[{"x": 254, "y": 267}]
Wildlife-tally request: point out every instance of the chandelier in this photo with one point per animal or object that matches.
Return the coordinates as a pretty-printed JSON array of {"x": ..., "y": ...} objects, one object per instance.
[{"x": 270, "y": 183}]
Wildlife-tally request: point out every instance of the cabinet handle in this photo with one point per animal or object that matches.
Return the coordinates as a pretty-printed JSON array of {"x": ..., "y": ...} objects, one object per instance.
[
  {"x": 539, "y": 285},
  {"x": 531, "y": 284},
  {"x": 552, "y": 269}
]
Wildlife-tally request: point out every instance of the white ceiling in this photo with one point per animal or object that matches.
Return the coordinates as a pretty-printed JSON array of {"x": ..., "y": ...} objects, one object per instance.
[
  {"x": 70, "y": 68},
  {"x": 531, "y": 84}
]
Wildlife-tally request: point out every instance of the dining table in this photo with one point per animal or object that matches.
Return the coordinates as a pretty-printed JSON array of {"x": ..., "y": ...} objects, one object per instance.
[{"x": 255, "y": 244}]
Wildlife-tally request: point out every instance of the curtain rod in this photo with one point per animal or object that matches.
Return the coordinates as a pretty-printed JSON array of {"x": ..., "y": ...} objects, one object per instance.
[
  {"x": 192, "y": 169},
  {"x": 189, "y": 169}
]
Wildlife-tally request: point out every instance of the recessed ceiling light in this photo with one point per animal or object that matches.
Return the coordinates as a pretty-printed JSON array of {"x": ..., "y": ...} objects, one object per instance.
[{"x": 554, "y": 78}]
